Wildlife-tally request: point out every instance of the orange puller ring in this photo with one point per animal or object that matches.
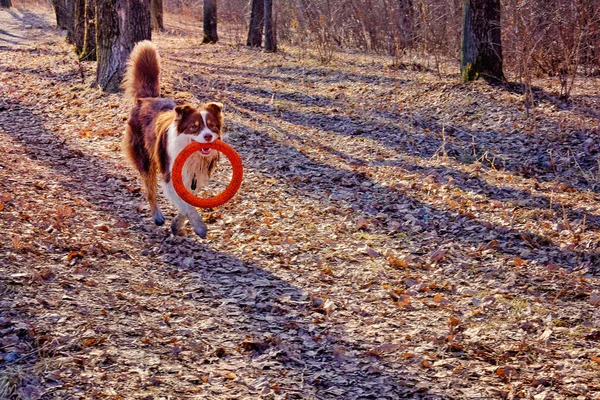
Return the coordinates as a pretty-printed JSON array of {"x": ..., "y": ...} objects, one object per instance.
[{"x": 225, "y": 195}]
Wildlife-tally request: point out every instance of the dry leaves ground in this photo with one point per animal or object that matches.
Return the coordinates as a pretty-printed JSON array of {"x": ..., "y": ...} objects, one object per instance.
[{"x": 396, "y": 235}]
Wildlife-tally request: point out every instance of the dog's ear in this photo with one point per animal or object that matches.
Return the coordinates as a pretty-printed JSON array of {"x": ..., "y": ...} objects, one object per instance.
[
  {"x": 214, "y": 108},
  {"x": 182, "y": 111}
]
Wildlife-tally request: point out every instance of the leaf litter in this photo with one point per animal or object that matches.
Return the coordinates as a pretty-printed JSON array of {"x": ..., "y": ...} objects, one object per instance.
[{"x": 396, "y": 235}]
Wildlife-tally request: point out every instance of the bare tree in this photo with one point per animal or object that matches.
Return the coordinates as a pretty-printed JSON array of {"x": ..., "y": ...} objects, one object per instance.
[
  {"x": 78, "y": 32},
  {"x": 70, "y": 20},
  {"x": 257, "y": 16},
  {"x": 270, "y": 33},
  {"x": 157, "y": 15},
  {"x": 210, "y": 22},
  {"x": 89, "y": 40},
  {"x": 120, "y": 25},
  {"x": 60, "y": 9},
  {"x": 481, "y": 54},
  {"x": 5, "y": 4}
]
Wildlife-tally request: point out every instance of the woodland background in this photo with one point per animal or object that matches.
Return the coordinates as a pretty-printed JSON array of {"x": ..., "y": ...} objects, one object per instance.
[{"x": 399, "y": 233}]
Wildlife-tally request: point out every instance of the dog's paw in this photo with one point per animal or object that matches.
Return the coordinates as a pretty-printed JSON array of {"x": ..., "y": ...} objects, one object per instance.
[
  {"x": 158, "y": 218},
  {"x": 201, "y": 231}
]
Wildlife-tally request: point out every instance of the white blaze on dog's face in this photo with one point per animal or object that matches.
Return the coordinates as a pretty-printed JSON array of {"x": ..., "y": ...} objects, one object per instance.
[{"x": 203, "y": 125}]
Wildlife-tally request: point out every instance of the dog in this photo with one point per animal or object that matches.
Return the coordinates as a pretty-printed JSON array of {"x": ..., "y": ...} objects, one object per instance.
[{"x": 158, "y": 129}]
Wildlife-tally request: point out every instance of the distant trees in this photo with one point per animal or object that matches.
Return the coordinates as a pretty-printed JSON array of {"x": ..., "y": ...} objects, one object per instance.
[
  {"x": 120, "y": 25},
  {"x": 559, "y": 38},
  {"x": 61, "y": 12},
  {"x": 78, "y": 30},
  {"x": 5, "y": 4},
  {"x": 157, "y": 15},
  {"x": 481, "y": 48},
  {"x": 88, "y": 52},
  {"x": 261, "y": 20},
  {"x": 257, "y": 18},
  {"x": 210, "y": 22},
  {"x": 270, "y": 37}
]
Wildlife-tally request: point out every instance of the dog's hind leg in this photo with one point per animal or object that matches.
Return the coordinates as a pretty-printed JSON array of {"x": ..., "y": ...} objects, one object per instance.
[
  {"x": 133, "y": 147},
  {"x": 150, "y": 186}
]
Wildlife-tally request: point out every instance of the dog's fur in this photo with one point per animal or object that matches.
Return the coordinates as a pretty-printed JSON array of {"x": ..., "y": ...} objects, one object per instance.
[{"x": 157, "y": 130}]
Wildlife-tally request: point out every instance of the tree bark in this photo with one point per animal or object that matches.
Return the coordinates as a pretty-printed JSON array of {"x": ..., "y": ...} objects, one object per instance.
[
  {"x": 120, "y": 25},
  {"x": 210, "y": 22},
  {"x": 5, "y": 4},
  {"x": 481, "y": 48},
  {"x": 270, "y": 33},
  {"x": 257, "y": 17},
  {"x": 88, "y": 53},
  {"x": 157, "y": 15},
  {"x": 69, "y": 12},
  {"x": 60, "y": 9},
  {"x": 406, "y": 23},
  {"x": 78, "y": 25}
]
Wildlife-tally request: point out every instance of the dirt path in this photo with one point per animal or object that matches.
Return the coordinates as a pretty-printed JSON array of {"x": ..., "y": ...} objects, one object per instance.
[{"x": 356, "y": 263}]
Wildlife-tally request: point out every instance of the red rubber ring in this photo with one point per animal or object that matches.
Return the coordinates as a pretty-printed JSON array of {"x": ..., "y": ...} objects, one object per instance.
[{"x": 225, "y": 195}]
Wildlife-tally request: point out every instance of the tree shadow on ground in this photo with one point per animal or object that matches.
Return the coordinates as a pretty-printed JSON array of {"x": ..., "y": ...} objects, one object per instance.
[
  {"x": 29, "y": 19},
  {"x": 573, "y": 103},
  {"x": 276, "y": 307},
  {"x": 391, "y": 129},
  {"x": 380, "y": 198}
]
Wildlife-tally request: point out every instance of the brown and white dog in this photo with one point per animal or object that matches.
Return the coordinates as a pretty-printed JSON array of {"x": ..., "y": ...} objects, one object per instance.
[{"x": 158, "y": 129}]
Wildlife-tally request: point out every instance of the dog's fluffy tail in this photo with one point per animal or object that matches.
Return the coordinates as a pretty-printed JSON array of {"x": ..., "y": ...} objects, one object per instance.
[{"x": 143, "y": 68}]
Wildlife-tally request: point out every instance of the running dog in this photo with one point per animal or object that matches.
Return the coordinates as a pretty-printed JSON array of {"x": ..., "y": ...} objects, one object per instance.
[{"x": 158, "y": 129}]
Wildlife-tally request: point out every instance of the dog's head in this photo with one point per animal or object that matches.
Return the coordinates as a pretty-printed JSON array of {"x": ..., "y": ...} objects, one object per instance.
[{"x": 203, "y": 124}]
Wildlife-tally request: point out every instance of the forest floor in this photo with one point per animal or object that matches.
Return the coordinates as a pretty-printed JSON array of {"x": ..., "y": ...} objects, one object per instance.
[{"x": 397, "y": 234}]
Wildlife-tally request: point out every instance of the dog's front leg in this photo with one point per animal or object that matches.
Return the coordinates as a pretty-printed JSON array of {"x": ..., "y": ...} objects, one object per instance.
[{"x": 185, "y": 211}]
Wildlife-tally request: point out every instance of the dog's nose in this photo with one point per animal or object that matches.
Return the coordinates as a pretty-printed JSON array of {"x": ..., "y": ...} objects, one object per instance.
[{"x": 208, "y": 137}]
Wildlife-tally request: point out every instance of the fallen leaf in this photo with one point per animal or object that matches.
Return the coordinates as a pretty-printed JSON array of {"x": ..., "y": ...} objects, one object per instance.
[
  {"x": 396, "y": 262},
  {"x": 362, "y": 223},
  {"x": 595, "y": 298},
  {"x": 438, "y": 255},
  {"x": 403, "y": 300},
  {"x": 518, "y": 262}
]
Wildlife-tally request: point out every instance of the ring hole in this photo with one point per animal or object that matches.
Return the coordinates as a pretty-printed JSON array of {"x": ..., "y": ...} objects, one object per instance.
[{"x": 219, "y": 180}]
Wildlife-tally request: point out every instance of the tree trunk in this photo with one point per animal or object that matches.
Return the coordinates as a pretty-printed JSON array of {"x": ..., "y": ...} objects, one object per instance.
[
  {"x": 406, "y": 23},
  {"x": 70, "y": 18},
  {"x": 270, "y": 33},
  {"x": 78, "y": 25},
  {"x": 481, "y": 49},
  {"x": 157, "y": 15},
  {"x": 257, "y": 18},
  {"x": 210, "y": 22},
  {"x": 88, "y": 53},
  {"x": 60, "y": 9},
  {"x": 5, "y": 4},
  {"x": 120, "y": 25}
]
